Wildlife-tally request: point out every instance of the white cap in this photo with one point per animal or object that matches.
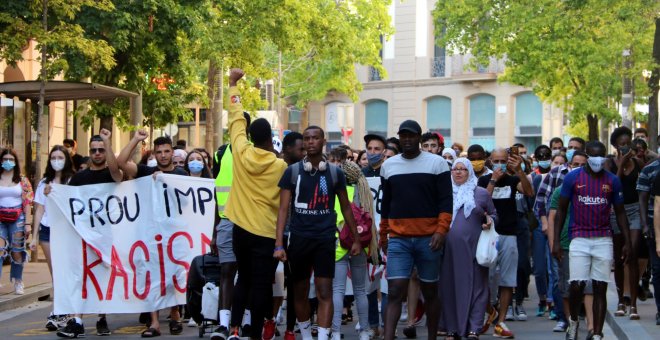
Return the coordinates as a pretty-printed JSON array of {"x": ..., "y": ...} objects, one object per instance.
[{"x": 277, "y": 144}]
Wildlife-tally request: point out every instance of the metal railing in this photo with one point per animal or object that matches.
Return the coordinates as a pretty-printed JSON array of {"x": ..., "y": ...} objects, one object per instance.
[
  {"x": 374, "y": 74},
  {"x": 438, "y": 67}
]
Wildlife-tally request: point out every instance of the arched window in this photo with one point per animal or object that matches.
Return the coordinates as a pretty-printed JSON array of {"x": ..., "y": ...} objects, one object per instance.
[
  {"x": 529, "y": 120},
  {"x": 438, "y": 116},
  {"x": 482, "y": 121},
  {"x": 375, "y": 117}
]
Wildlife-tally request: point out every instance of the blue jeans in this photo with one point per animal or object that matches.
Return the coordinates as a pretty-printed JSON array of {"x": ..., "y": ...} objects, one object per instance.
[
  {"x": 13, "y": 237},
  {"x": 524, "y": 270},
  {"x": 540, "y": 257},
  {"x": 374, "y": 321},
  {"x": 556, "y": 292},
  {"x": 358, "y": 272}
]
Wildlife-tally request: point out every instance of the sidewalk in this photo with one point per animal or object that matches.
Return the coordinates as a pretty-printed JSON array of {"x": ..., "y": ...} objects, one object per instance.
[
  {"x": 623, "y": 327},
  {"x": 36, "y": 278}
]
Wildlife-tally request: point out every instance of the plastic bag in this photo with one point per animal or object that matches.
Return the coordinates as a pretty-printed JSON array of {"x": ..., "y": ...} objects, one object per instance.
[
  {"x": 487, "y": 248},
  {"x": 210, "y": 297}
]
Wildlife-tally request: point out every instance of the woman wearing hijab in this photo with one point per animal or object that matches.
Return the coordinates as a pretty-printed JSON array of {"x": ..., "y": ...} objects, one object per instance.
[
  {"x": 465, "y": 282},
  {"x": 449, "y": 154}
]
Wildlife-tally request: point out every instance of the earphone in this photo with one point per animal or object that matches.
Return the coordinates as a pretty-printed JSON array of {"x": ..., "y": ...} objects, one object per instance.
[{"x": 307, "y": 165}]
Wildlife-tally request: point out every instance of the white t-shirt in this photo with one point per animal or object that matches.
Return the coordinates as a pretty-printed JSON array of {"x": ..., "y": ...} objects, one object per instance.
[{"x": 40, "y": 198}]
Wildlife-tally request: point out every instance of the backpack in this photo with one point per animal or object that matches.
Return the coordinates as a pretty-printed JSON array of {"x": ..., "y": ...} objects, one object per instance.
[{"x": 363, "y": 221}]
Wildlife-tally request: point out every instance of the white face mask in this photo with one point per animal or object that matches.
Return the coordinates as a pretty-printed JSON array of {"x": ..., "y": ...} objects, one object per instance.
[
  {"x": 596, "y": 163},
  {"x": 152, "y": 163},
  {"x": 57, "y": 164},
  {"x": 555, "y": 152},
  {"x": 659, "y": 150}
]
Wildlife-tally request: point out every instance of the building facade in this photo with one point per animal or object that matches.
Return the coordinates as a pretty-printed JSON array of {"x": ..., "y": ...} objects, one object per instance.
[{"x": 427, "y": 83}]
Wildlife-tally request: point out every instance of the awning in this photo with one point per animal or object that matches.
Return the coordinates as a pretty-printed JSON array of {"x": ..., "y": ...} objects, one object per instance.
[{"x": 62, "y": 90}]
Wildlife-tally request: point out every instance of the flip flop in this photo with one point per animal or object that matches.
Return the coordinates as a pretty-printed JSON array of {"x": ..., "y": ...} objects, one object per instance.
[
  {"x": 176, "y": 327},
  {"x": 151, "y": 333}
]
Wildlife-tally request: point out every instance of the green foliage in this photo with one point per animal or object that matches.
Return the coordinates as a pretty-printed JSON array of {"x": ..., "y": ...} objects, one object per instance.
[{"x": 569, "y": 52}]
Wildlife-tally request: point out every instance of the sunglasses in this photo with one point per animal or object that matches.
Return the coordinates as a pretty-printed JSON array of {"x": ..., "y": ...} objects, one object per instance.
[{"x": 95, "y": 150}]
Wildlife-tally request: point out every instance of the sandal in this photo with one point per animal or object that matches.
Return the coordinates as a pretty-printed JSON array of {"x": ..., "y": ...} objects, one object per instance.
[
  {"x": 620, "y": 310},
  {"x": 151, "y": 333},
  {"x": 451, "y": 336},
  {"x": 472, "y": 335},
  {"x": 633, "y": 313},
  {"x": 176, "y": 327}
]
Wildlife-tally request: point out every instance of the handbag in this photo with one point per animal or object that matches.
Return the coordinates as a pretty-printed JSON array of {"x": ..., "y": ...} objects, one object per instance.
[
  {"x": 363, "y": 221},
  {"x": 10, "y": 215}
]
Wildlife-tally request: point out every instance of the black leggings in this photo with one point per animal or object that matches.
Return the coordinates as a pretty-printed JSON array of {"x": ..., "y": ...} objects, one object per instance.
[{"x": 256, "y": 272}]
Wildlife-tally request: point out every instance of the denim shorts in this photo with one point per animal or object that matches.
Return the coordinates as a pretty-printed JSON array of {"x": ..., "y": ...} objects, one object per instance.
[
  {"x": 44, "y": 233},
  {"x": 404, "y": 253},
  {"x": 8, "y": 233},
  {"x": 590, "y": 259}
]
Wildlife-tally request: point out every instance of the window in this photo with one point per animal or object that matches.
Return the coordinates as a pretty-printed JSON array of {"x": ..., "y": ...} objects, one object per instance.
[
  {"x": 375, "y": 117},
  {"x": 438, "y": 61},
  {"x": 482, "y": 121},
  {"x": 529, "y": 115},
  {"x": 294, "y": 119},
  {"x": 438, "y": 116}
]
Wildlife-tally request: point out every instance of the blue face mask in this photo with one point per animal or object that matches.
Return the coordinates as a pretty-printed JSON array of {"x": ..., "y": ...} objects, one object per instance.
[
  {"x": 374, "y": 158},
  {"x": 195, "y": 167},
  {"x": 8, "y": 165},
  {"x": 522, "y": 165},
  {"x": 535, "y": 164},
  {"x": 569, "y": 154},
  {"x": 544, "y": 164},
  {"x": 499, "y": 166}
]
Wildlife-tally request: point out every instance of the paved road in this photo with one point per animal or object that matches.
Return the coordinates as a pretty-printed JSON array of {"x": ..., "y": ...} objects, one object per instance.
[{"x": 28, "y": 322}]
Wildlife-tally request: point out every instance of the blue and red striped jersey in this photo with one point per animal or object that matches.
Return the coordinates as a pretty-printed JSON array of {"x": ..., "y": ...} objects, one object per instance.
[{"x": 592, "y": 198}]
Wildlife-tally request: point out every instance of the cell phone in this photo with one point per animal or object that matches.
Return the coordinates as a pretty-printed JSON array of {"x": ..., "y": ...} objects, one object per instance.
[
  {"x": 514, "y": 150},
  {"x": 484, "y": 220}
]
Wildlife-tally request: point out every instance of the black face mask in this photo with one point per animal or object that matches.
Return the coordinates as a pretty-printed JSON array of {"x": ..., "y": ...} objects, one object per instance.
[{"x": 624, "y": 150}]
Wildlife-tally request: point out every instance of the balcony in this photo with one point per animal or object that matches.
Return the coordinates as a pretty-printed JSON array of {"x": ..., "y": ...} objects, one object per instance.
[
  {"x": 438, "y": 67},
  {"x": 460, "y": 63},
  {"x": 374, "y": 75}
]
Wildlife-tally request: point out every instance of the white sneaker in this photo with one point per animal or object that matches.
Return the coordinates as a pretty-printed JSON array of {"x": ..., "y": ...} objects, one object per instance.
[
  {"x": 336, "y": 336},
  {"x": 572, "y": 331},
  {"x": 509, "y": 314},
  {"x": 192, "y": 323},
  {"x": 19, "y": 288},
  {"x": 404, "y": 313},
  {"x": 364, "y": 335}
]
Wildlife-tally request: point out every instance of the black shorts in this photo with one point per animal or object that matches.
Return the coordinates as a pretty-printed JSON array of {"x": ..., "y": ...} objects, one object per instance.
[{"x": 307, "y": 254}]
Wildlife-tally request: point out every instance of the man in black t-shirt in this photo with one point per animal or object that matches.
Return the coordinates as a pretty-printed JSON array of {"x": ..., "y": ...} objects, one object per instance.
[
  {"x": 163, "y": 151},
  {"x": 507, "y": 179},
  {"x": 72, "y": 146},
  {"x": 103, "y": 169},
  {"x": 311, "y": 186}
]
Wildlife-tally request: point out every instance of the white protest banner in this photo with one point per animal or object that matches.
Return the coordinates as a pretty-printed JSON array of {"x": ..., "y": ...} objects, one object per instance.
[
  {"x": 377, "y": 192},
  {"x": 127, "y": 247}
]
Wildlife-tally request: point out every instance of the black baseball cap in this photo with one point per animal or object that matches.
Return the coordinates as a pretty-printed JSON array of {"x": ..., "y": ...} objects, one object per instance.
[
  {"x": 371, "y": 136},
  {"x": 410, "y": 126}
]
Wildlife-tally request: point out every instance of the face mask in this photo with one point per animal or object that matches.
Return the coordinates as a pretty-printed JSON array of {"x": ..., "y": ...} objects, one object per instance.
[
  {"x": 658, "y": 150},
  {"x": 152, "y": 163},
  {"x": 576, "y": 168},
  {"x": 544, "y": 164},
  {"x": 374, "y": 158},
  {"x": 522, "y": 165},
  {"x": 195, "y": 166},
  {"x": 8, "y": 165},
  {"x": 523, "y": 155},
  {"x": 57, "y": 164},
  {"x": 478, "y": 165},
  {"x": 535, "y": 164},
  {"x": 596, "y": 163},
  {"x": 624, "y": 150},
  {"x": 555, "y": 152},
  {"x": 499, "y": 166},
  {"x": 70, "y": 150},
  {"x": 569, "y": 154}
]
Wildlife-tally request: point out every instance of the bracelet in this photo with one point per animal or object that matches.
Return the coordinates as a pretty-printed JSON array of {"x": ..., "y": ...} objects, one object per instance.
[{"x": 279, "y": 248}]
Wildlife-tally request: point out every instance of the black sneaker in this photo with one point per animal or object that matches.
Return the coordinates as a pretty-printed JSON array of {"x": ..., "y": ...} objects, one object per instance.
[
  {"x": 220, "y": 333},
  {"x": 72, "y": 330},
  {"x": 657, "y": 319},
  {"x": 245, "y": 331},
  {"x": 410, "y": 332},
  {"x": 51, "y": 323},
  {"x": 102, "y": 327}
]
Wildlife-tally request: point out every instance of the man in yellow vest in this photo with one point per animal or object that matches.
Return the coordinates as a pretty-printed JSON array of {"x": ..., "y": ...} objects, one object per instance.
[
  {"x": 222, "y": 235},
  {"x": 252, "y": 206}
]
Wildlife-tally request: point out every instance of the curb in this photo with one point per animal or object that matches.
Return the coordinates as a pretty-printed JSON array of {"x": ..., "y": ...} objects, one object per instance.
[
  {"x": 32, "y": 294},
  {"x": 623, "y": 327}
]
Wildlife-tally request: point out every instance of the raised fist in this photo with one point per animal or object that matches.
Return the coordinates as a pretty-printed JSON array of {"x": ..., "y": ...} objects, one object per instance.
[
  {"x": 235, "y": 74},
  {"x": 105, "y": 134},
  {"x": 141, "y": 134}
]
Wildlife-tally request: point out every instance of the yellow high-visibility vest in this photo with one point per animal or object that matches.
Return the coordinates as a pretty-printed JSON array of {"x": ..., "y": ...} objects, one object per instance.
[{"x": 224, "y": 180}]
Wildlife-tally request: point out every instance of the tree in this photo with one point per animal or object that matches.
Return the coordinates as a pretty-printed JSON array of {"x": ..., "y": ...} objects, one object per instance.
[{"x": 569, "y": 52}]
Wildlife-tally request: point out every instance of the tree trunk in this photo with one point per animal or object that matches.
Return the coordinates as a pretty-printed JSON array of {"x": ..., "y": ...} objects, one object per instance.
[
  {"x": 653, "y": 85},
  {"x": 210, "y": 84},
  {"x": 592, "y": 122},
  {"x": 105, "y": 123},
  {"x": 218, "y": 106}
]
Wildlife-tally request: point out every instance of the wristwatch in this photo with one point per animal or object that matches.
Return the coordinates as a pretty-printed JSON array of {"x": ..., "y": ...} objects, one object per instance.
[{"x": 492, "y": 181}]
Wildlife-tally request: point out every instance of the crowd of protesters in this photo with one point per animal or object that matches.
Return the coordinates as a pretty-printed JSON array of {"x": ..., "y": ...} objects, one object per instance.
[{"x": 566, "y": 214}]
